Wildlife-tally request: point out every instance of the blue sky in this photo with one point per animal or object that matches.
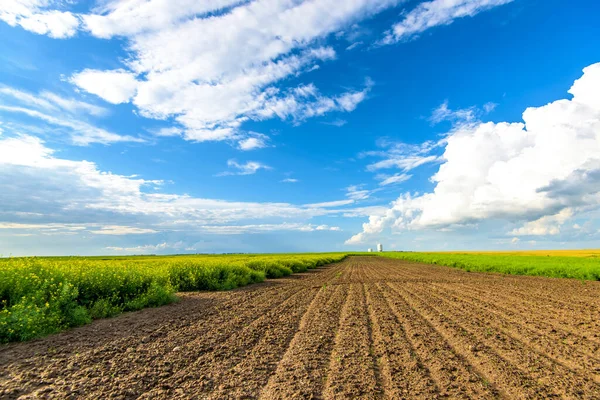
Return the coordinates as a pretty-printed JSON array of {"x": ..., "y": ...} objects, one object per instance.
[{"x": 141, "y": 126}]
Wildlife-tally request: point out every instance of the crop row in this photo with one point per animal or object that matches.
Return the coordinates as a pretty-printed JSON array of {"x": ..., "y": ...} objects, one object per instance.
[
  {"x": 39, "y": 296},
  {"x": 514, "y": 264}
]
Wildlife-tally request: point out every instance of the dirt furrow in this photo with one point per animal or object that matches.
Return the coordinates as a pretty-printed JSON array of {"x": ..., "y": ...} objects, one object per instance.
[
  {"x": 352, "y": 372},
  {"x": 455, "y": 376},
  {"x": 545, "y": 377},
  {"x": 506, "y": 376},
  {"x": 529, "y": 328},
  {"x": 302, "y": 371},
  {"x": 402, "y": 372},
  {"x": 576, "y": 322},
  {"x": 153, "y": 362},
  {"x": 586, "y": 322}
]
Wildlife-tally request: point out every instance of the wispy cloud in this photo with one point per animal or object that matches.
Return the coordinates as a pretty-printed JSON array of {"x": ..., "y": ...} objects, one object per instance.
[
  {"x": 330, "y": 204},
  {"x": 357, "y": 192},
  {"x": 60, "y": 112},
  {"x": 337, "y": 122},
  {"x": 434, "y": 13},
  {"x": 248, "y": 168},
  {"x": 403, "y": 156},
  {"x": 386, "y": 180},
  {"x": 460, "y": 116}
]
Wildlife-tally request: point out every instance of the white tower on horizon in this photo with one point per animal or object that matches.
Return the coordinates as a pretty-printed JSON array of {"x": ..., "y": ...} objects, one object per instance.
[{"x": 379, "y": 247}]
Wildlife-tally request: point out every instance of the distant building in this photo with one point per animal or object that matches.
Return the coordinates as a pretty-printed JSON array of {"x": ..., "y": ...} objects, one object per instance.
[
  {"x": 370, "y": 250},
  {"x": 380, "y": 247}
]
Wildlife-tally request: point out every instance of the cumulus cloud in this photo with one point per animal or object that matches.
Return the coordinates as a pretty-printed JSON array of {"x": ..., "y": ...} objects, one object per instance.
[
  {"x": 434, "y": 13},
  {"x": 39, "y": 16},
  {"x": 230, "y": 72},
  {"x": 256, "y": 141},
  {"x": 541, "y": 171},
  {"x": 547, "y": 225},
  {"x": 116, "y": 87}
]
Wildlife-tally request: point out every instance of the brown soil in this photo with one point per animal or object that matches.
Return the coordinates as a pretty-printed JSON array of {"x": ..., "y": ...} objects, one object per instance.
[{"x": 368, "y": 327}]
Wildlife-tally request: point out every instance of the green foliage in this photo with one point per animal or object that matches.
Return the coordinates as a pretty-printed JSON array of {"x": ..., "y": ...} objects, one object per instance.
[
  {"x": 43, "y": 295},
  {"x": 554, "y": 266}
]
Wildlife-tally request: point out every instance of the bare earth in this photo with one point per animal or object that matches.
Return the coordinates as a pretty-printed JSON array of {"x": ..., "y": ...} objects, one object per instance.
[{"x": 367, "y": 327}]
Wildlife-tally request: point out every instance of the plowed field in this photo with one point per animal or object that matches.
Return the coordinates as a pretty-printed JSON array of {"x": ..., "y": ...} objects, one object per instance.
[{"x": 367, "y": 327}]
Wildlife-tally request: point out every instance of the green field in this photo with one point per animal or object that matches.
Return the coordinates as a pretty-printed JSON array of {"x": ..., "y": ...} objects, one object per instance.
[
  {"x": 42, "y": 295},
  {"x": 564, "y": 265}
]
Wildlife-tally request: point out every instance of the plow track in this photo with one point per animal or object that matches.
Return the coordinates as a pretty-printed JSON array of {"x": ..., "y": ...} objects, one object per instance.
[{"x": 368, "y": 327}]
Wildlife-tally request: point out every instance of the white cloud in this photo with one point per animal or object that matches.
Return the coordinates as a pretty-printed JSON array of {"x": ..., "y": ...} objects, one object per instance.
[
  {"x": 151, "y": 248},
  {"x": 82, "y": 133},
  {"x": 356, "y": 192},
  {"x": 167, "y": 132},
  {"x": 403, "y": 156},
  {"x": 37, "y": 16},
  {"x": 444, "y": 113},
  {"x": 116, "y": 87},
  {"x": 337, "y": 122},
  {"x": 69, "y": 229},
  {"x": 121, "y": 230},
  {"x": 229, "y": 72},
  {"x": 51, "y": 102},
  {"x": 353, "y": 46},
  {"x": 306, "y": 102},
  {"x": 547, "y": 225},
  {"x": 43, "y": 229},
  {"x": 257, "y": 228},
  {"x": 289, "y": 180},
  {"x": 540, "y": 171},
  {"x": 129, "y": 17},
  {"x": 249, "y": 168},
  {"x": 330, "y": 204},
  {"x": 460, "y": 116},
  {"x": 257, "y": 141},
  {"x": 66, "y": 115},
  {"x": 60, "y": 195},
  {"x": 514, "y": 240},
  {"x": 392, "y": 179},
  {"x": 434, "y": 13},
  {"x": 328, "y": 228},
  {"x": 489, "y": 107}
]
